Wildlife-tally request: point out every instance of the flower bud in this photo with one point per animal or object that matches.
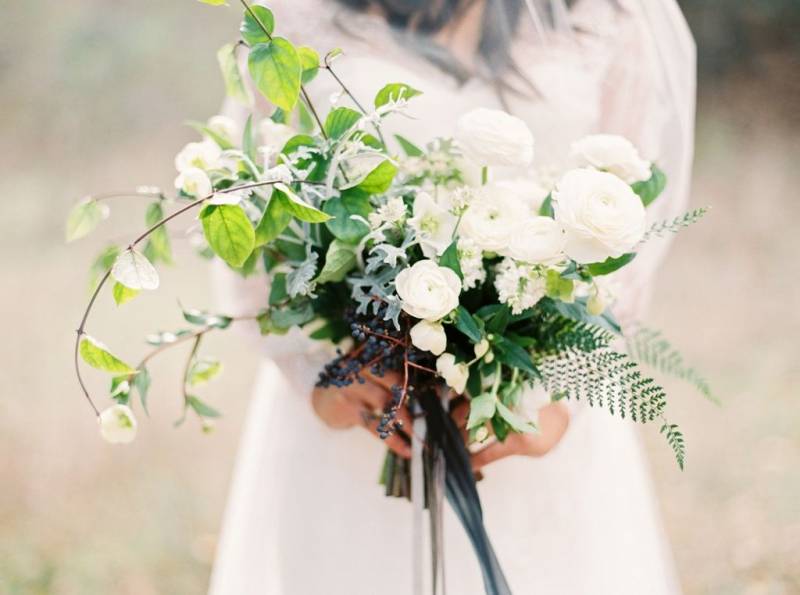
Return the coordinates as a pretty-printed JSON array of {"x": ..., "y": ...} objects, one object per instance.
[
  {"x": 595, "y": 305},
  {"x": 117, "y": 424},
  {"x": 481, "y": 348}
]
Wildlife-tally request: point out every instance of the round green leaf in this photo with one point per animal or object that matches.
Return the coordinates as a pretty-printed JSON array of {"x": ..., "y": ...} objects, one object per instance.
[
  {"x": 339, "y": 260},
  {"x": 84, "y": 217},
  {"x": 229, "y": 232},
  {"x": 395, "y": 92},
  {"x": 204, "y": 370},
  {"x": 297, "y": 206},
  {"x": 251, "y": 30},
  {"x": 276, "y": 70},
  {"x": 342, "y": 208},
  {"x": 97, "y": 355},
  {"x": 123, "y": 294},
  {"x": 309, "y": 59}
]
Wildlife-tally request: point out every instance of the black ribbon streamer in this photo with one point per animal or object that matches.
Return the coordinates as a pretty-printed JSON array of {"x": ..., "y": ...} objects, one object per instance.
[{"x": 460, "y": 488}]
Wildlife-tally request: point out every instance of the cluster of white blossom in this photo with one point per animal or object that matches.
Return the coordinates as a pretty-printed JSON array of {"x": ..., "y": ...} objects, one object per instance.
[{"x": 520, "y": 286}]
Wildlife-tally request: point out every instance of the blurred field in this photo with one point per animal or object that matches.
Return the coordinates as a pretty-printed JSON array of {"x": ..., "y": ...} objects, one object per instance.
[{"x": 92, "y": 96}]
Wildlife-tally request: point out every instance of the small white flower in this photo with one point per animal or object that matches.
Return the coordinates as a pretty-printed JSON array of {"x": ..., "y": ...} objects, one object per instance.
[
  {"x": 614, "y": 154},
  {"x": 429, "y": 336},
  {"x": 460, "y": 198},
  {"x": 538, "y": 240},
  {"x": 194, "y": 182},
  {"x": 279, "y": 173},
  {"x": 203, "y": 155},
  {"x": 490, "y": 218},
  {"x": 470, "y": 259},
  {"x": 117, "y": 424},
  {"x": 275, "y": 135},
  {"x": 428, "y": 291},
  {"x": 394, "y": 211},
  {"x": 494, "y": 138},
  {"x": 454, "y": 374},
  {"x": 433, "y": 223},
  {"x": 603, "y": 217},
  {"x": 519, "y": 286},
  {"x": 481, "y": 348},
  {"x": 225, "y": 127}
]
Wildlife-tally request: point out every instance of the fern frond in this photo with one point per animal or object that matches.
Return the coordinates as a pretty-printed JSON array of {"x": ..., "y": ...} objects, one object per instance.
[
  {"x": 660, "y": 228},
  {"x": 555, "y": 333},
  {"x": 675, "y": 440},
  {"x": 649, "y": 347},
  {"x": 604, "y": 378}
]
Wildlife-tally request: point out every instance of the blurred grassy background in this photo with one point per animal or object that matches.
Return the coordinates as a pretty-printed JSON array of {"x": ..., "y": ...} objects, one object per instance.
[{"x": 93, "y": 94}]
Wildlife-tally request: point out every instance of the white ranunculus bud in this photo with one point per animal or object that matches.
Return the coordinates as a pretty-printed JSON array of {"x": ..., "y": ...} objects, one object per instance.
[
  {"x": 194, "y": 182},
  {"x": 538, "y": 240},
  {"x": 614, "y": 154},
  {"x": 433, "y": 223},
  {"x": 481, "y": 348},
  {"x": 489, "y": 220},
  {"x": 204, "y": 155},
  {"x": 427, "y": 290},
  {"x": 275, "y": 135},
  {"x": 494, "y": 138},
  {"x": 595, "y": 304},
  {"x": 117, "y": 424},
  {"x": 600, "y": 213},
  {"x": 429, "y": 336},
  {"x": 454, "y": 374},
  {"x": 225, "y": 127}
]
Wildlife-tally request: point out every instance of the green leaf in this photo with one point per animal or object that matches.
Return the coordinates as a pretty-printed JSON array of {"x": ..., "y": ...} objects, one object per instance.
[
  {"x": 248, "y": 139},
  {"x": 341, "y": 209},
  {"x": 296, "y": 206},
  {"x": 215, "y": 2},
  {"x": 577, "y": 311},
  {"x": 204, "y": 370},
  {"x": 394, "y": 92},
  {"x": 231, "y": 75},
  {"x": 449, "y": 259},
  {"x": 379, "y": 179},
  {"x": 133, "y": 270},
  {"x": 513, "y": 355},
  {"x": 141, "y": 382},
  {"x": 295, "y": 314},
  {"x": 97, "y": 355},
  {"x": 409, "y": 148},
  {"x": 467, "y": 324},
  {"x": 158, "y": 247},
  {"x": 276, "y": 70},
  {"x": 202, "y": 318},
  {"x": 252, "y": 32},
  {"x": 481, "y": 410},
  {"x": 517, "y": 422},
  {"x": 340, "y": 121},
  {"x": 274, "y": 220},
  {"x": 546, "y": 210},
  {"x": 339, "y": 260},
  {"x": 229, "y": 232},
  {"x": 278, "y": 292},
  {"x": 558, "y": 287},
  {"x": 84, "y": 217},
  {"x": 123, "y": 294},
  {"x": 651, "y": 189},
  {"x": 609, "y": 265},
  {"x": 499, "y": 320},
  {"x": 309, "y": 60},
  {"x": 201, "y": 408}
]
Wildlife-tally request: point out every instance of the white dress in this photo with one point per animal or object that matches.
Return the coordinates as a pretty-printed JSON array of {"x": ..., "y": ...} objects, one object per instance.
[{"x": 306, "y": 514}]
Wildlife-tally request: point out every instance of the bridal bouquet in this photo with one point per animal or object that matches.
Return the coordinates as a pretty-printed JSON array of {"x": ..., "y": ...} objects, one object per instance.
[{"x": 415, "y": 258}]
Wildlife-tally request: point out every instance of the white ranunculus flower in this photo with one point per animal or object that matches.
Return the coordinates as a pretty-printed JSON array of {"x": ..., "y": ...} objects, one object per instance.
[
  {"x": 275, "y": 135},
  {"x": 614, "y": 154},
  {"x": 489, "y": 219},
  {"x": 494, "y": 138},
  {"x": 224, "y": 126},
  {"x": 602, "y": 216},
  {"x": 454, "y": 374},
  {"x": 433, "y": 223},
  {"x": 429, "y": 336},
  {"x": 117, "y": 424},
  {"x": 427, "y": 290},
  {"x": 537, "y": 240},
  {"x": 194, "y": 182},
  {"x": 204, "y": 155}
]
